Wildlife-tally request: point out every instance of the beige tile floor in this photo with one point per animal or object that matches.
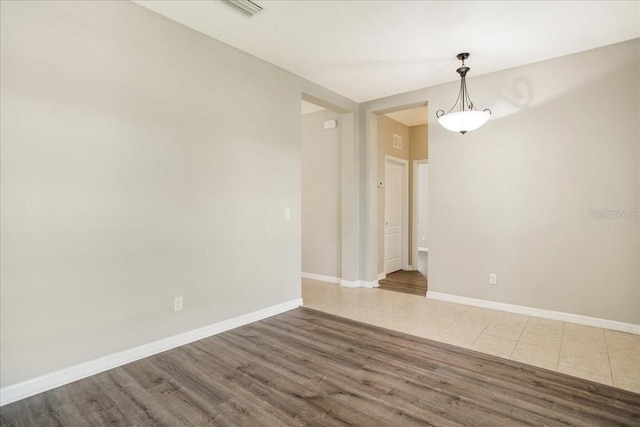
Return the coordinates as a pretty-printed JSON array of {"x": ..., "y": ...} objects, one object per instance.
[{"x": 600, "y": 355}]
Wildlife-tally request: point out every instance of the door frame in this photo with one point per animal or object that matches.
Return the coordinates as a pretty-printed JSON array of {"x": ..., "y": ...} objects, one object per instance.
[
  {"x": 414, "y": 210},
  {"x": 405, "y": 210}
]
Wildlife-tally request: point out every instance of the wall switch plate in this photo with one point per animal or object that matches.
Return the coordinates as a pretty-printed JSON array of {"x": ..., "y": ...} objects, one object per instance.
[
  {"x": 287, "y": 214},
  {"x": 493, "y": 278},
  {"x": 177, "y": 304}
]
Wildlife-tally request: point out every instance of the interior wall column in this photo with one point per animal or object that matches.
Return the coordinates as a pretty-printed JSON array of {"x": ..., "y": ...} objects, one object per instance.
[
  {"x": 349, "y": 198},
  {"x": 368, "y": 197}
]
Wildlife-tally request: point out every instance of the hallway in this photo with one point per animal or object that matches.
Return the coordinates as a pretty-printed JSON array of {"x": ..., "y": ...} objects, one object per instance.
[{"x": 408, "y": 282}]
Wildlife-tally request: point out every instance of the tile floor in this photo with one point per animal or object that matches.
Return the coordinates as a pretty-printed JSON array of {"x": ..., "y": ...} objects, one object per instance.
[{"x": 601, "y": 355}]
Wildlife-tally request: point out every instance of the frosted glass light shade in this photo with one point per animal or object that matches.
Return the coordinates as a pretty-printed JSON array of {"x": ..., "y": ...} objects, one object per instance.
[{"x": 464, "y": 121}]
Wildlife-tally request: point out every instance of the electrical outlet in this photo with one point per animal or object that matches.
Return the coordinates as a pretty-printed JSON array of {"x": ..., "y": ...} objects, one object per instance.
[
  {"x": 177, "y": 304},
  {"x": 287, "y": 214},
  {"x": 493, "y": 278}
]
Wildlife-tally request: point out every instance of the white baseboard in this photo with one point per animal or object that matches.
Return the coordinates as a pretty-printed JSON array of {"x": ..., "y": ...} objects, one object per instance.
[
  {"x": 371, "y": 284},
  {"x": 538, "y": 312},
  {"x": 359, "y": 284},
  {"x": 382, "y": 276},
  {"x": 64, "y": 376},
  {"x": 341, "y": 282},
  {"x": 321, "y": 278},
  {"x": 349, "y": 283}
]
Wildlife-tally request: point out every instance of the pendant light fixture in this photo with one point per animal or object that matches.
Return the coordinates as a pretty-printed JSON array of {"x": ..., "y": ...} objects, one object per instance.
[
  {"x": 464, "y": 117},
  {"x": 247, "y": 7}
]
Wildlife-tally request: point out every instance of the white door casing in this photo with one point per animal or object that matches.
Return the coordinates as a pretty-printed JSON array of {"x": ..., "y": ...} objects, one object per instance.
[
  {"x": 419, "y": 208},
  {"x": 396, "y": 215}
]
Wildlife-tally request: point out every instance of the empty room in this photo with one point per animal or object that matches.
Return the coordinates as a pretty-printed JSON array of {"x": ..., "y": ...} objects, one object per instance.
[{"x": 319, "y": 213}]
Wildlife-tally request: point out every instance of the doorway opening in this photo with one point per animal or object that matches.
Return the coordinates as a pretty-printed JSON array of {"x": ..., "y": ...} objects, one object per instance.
[{"x": 402, "y": 200}]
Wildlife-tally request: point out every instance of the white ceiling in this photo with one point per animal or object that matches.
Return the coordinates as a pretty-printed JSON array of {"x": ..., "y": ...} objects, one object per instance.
[
  {"x": 411, "y": 117},
  {"x": 370, "y": 49}
]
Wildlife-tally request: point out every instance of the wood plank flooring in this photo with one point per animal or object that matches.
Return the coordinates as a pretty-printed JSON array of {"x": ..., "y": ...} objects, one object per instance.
[
  {"x": 408, "y": 282},
  {"x": 307, "y": 368}
]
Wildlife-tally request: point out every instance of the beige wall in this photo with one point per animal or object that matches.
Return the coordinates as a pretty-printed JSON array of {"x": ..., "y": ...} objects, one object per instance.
[
  {"x": 140, "y": 161},
  {"x": 321, "y": 195},
  {"x": 516, "y": 196},
  {"x": 419, "y": 136}
]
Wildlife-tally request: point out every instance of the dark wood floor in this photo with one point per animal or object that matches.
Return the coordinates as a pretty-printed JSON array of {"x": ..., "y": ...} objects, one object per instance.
[
  {"x": 308, "y": 368},
  {"x": 408, "y": 282}
]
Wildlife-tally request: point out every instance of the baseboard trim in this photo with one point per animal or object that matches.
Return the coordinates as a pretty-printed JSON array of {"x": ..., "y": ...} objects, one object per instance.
[
  {"x": 382, "y": 276},
  {"x": 371, "y": 284},
  {"x": 321, "y": 277},
  {"x": 342, "y": 282},
  {"x": 68, "y": 375},
  {"x": 359, "y": 284},
  {"x": 539, "y": 312},
  {"x": 349, "y": 283}
]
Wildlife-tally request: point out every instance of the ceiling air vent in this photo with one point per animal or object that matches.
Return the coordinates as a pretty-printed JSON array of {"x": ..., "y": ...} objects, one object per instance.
[{"x": 247, "y": 7}]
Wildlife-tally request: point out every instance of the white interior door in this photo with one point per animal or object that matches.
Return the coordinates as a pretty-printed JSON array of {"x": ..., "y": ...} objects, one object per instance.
[{"x": 393, "y": 204}]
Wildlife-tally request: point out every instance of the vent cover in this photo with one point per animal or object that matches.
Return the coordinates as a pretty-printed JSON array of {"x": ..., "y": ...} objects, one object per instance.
[
  {"x": 247, "y": 7},
  {"x": 397, "y": 141}
]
